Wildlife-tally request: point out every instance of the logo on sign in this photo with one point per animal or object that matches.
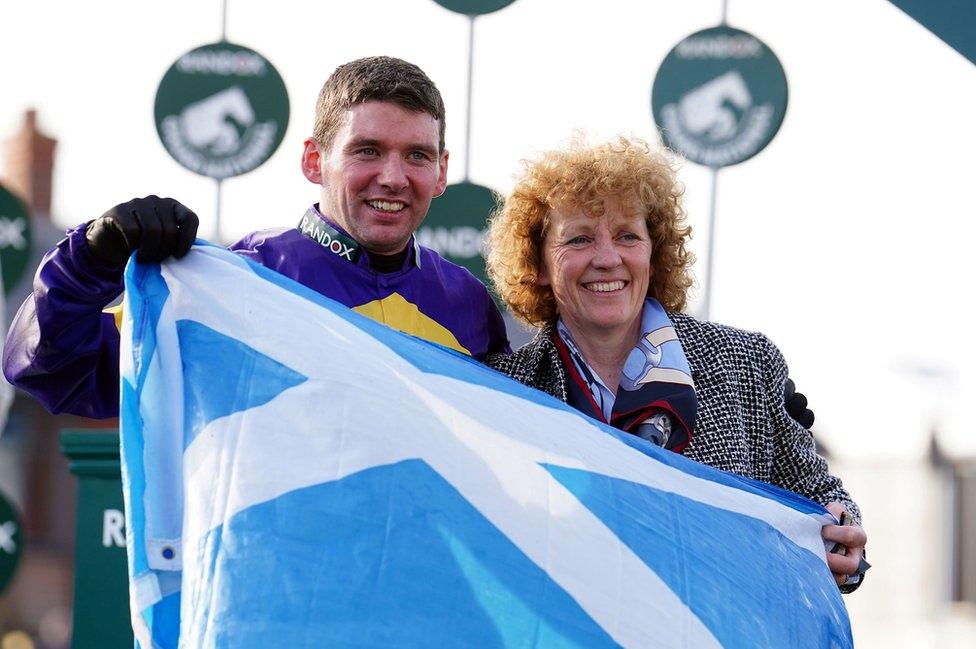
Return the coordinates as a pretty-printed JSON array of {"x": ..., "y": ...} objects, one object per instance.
[
  {"x": 15, "y": 239},
  {"x": 226, "y": 63},
  {"x": 218, "y": 136},
  {"x": 455, "y": 226},
  {"x": 719, "y": 97},
  {"x": 221, "y": 110},
  {"x": 7, "y": 542},
  {"x": 462, "y": 242},
  {"x": 717, "y": 123},
  {"x": 12, "y": 233},
  {"x": 11, "y": 542}
]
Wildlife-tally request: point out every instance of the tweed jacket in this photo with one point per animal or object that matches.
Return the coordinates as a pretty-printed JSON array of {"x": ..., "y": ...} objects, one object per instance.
[{"x": 742, "y": 425}]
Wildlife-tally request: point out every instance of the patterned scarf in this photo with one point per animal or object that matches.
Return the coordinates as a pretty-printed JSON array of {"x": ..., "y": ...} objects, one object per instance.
[{"x": 656, "y": 398}]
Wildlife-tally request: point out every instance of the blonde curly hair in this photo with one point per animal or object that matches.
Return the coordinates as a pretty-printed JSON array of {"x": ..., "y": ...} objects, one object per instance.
[{"x": 583, "y": 177}]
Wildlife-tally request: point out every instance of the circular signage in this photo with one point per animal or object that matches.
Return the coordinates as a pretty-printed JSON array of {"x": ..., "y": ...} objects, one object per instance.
[
  {"x": 719, "y": 97},
  {"x": 15, "y": 239},
  {"x": 221, "y": 110},
  {"x": 474, "y": 7},
  {"x": 10, "y": 542},
  {"x": 455, "y": 226}
]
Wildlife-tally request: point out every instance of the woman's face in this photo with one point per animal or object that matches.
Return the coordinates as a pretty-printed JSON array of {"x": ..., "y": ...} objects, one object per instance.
[{"x": 598, "y": 267}]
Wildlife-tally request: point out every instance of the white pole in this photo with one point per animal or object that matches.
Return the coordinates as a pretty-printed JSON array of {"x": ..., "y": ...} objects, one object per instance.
[
  {"x": 709, "y": 259},
  {"x": 467, "y": 125}
]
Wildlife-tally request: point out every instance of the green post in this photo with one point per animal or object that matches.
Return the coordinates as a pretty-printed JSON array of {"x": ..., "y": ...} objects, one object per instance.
[{"x": 101, "y": 599}]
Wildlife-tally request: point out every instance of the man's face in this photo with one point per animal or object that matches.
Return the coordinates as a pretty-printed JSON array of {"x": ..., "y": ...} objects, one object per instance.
[{"x": 379, "y": 174}]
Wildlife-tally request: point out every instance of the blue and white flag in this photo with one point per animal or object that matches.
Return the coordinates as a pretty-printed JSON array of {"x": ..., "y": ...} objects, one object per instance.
[{"x": 297, "y": 475}]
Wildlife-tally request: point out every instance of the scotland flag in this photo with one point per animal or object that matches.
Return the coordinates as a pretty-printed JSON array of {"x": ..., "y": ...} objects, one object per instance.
[{"x": 297, "y": 475}]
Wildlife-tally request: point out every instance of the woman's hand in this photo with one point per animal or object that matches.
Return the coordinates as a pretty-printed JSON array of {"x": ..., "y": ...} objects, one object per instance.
[{"x": 851, "y": 536}]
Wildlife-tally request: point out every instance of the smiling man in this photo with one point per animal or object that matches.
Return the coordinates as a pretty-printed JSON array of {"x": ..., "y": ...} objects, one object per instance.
[{"x": 377, "y": 151}]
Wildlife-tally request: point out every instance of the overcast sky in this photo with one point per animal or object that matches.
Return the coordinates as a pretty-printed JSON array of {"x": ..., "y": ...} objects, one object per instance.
[{"x": 848, "y": 240}]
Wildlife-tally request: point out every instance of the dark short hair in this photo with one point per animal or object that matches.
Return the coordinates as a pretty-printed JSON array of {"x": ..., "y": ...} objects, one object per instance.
[{"x": 375, "y": 78}]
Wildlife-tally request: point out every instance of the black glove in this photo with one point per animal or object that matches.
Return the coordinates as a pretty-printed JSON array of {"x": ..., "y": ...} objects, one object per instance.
[
  {"x": 796, "y": 405},
  {"x": 155, "y": 228}
]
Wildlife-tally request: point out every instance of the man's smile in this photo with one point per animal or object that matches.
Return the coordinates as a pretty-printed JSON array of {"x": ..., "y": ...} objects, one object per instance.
[{"x": 386, "y": 206}]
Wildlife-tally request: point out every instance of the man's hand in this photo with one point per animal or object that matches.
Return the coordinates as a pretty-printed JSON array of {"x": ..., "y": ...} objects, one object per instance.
[
  {"x": 796, "y": 405},
  {"x": 153, "y": 227},
  {"x": 852, "y": 537}
]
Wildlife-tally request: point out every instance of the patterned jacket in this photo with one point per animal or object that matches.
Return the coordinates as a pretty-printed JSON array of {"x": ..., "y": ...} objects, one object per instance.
[{"x": 742, "y": 424}]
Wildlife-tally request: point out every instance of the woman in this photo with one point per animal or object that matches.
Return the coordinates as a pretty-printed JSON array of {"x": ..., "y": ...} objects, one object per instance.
[{"x": 590, "y": 249}]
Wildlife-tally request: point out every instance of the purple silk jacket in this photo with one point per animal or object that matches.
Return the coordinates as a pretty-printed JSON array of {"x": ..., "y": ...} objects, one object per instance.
[{"x": 64, "y": 350}]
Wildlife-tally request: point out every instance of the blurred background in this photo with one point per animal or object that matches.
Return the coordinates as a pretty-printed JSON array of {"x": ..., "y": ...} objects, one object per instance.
[{"x": 847, "y": 240}]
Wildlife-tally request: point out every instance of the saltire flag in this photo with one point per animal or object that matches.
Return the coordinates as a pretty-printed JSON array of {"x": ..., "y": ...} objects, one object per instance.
[{"x": 297, "y": 475}]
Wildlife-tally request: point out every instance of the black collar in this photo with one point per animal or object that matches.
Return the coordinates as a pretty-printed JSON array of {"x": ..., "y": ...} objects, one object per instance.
[{"x": 318, "y": 229}]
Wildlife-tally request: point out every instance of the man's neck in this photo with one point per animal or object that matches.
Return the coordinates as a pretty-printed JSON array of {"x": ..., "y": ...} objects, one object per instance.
[{"x": 387, "y": 263}]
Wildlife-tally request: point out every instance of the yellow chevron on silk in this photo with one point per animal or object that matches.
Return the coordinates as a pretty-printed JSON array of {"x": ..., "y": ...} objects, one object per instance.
[
  {"x": 396, "y": 312},
  {"x": 116, "y": 313}
]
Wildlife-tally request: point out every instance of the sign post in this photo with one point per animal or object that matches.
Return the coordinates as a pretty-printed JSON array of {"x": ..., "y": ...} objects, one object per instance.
[
  {"x": 718, "y": 99},
  {"x": 456, "y": 222},
  {"x": 221, "y": 111}
]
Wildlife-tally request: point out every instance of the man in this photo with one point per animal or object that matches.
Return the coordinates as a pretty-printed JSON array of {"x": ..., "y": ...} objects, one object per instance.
[{"x": 377, "y": 152}]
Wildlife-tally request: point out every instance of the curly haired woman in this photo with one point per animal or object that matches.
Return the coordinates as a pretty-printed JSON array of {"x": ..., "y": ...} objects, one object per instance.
[{"x": 590, "y": 249}]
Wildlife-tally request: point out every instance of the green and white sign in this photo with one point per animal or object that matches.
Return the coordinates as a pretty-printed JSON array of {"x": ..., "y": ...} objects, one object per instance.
[
  {"x": 15, "y": 238},
  {"x": 11, "y": 542},
  {"x": 455, "y": 226},
  {"x": 719, "y": 97},
  {"x": 221, "y": 110},
  {"x": 474, "y": 7}
]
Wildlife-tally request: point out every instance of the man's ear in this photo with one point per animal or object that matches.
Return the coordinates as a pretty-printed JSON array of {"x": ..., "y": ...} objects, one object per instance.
[
  {"x": 312, "y": 162},
  {"x": 442, "y": 174}
]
